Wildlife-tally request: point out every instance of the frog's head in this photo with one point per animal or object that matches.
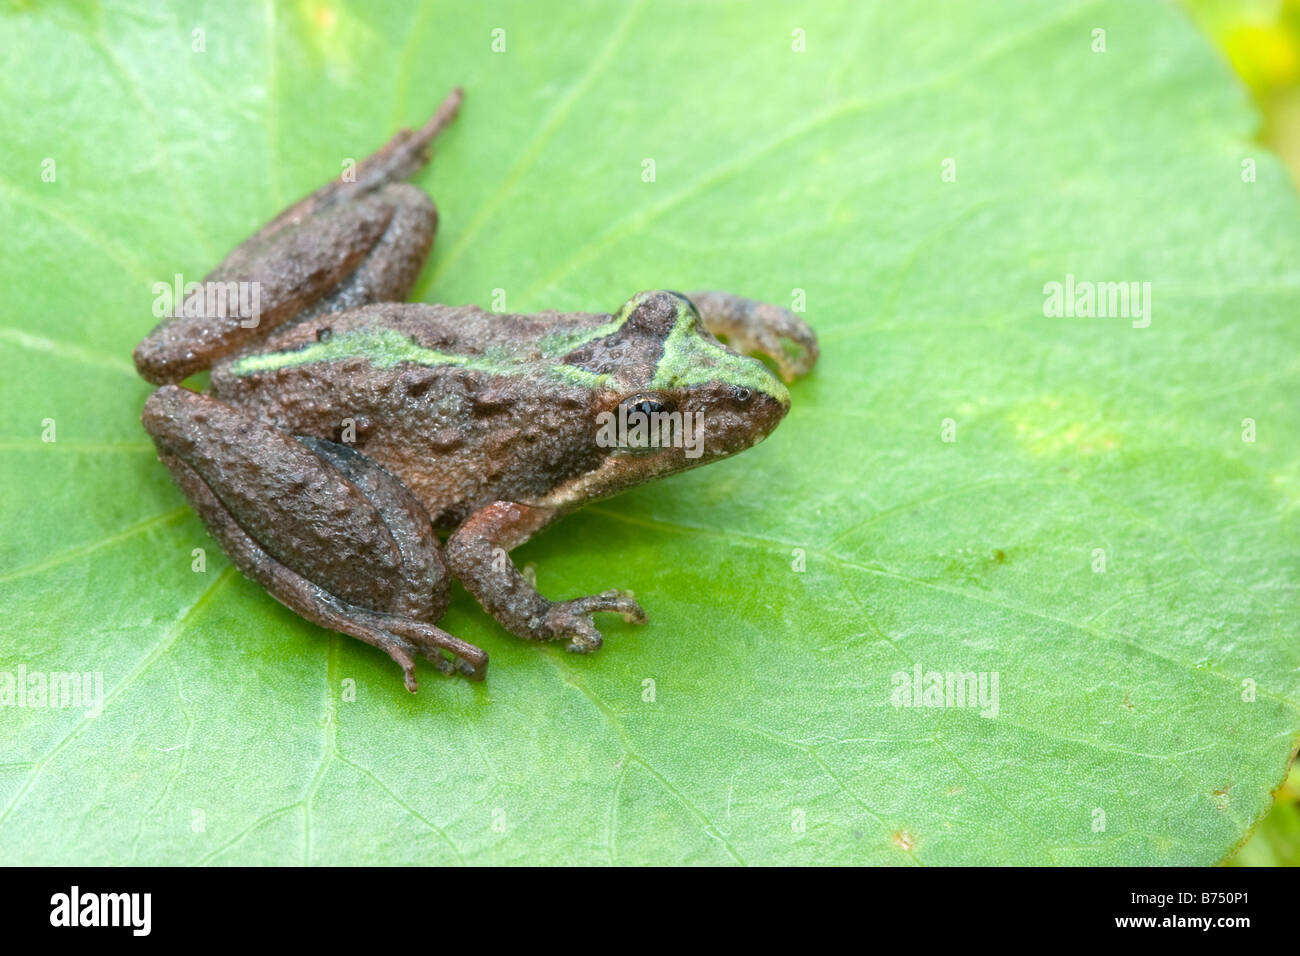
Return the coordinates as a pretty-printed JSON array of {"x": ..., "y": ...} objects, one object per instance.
[{"x": 675, "y": 396}]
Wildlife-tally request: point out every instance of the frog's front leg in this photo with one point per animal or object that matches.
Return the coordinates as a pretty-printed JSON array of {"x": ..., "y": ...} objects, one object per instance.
[
  {"x": 758, "y": 328},
  {"x": 324, "y": 529},
  {"x": 360, "y": 238},
  {"x": 477, "y": 554}
]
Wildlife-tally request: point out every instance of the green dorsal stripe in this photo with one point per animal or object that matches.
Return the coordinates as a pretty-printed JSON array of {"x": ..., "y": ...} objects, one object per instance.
[{"x": 384, "y": 348}]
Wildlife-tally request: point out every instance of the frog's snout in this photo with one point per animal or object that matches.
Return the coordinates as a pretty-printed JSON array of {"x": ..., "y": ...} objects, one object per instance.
[
  {"x": 765, "y": 413},
  {"x": 740, "y": 416}
]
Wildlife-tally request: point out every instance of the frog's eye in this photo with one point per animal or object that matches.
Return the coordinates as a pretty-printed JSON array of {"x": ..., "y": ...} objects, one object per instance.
[
  {"x": 644, "y": 425},
  {"x": 740, "y": 393},
  {"x": 645, "y": 404}
]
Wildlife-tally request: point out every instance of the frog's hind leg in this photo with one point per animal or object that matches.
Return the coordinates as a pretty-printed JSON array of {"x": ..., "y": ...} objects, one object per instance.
[
  {"x": 389, "y": 272},
  {"x": 361, "y": 238},
  {"x": 758, "y": 328},
  {"x": 397, "y": 160},
  {"x": 390, "y": 269},
  {"x": 326, "y": 531}
]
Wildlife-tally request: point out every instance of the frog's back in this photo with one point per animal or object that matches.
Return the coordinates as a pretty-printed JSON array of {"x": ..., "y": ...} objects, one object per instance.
[{"x": 466, "y": 407}]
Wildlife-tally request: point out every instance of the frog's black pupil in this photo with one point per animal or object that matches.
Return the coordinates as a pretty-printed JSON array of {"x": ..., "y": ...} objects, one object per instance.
[{"x": 742, "y": 394}]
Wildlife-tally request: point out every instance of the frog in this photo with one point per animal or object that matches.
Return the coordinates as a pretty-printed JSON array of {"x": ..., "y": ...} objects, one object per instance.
[{"x": 354, "y": 453}]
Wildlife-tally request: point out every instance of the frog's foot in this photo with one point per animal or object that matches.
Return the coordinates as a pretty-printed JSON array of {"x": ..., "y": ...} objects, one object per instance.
[
  {"x": 758, "y": 328},
  {"x": 402, "y": 653},
  {"x": 469, "y": 661},
  {"x": 572, "y": 619},
  {"x": 405, "y": 154},
  {"x": 475, "y": 554}
]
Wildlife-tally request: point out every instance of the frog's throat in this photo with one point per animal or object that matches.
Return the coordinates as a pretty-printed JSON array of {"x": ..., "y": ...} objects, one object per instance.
[{"x": 687, "y": 359}]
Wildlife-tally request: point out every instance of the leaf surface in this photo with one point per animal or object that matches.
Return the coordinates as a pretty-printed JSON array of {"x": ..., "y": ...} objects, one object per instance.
[{"x": 1144, "y": 712}]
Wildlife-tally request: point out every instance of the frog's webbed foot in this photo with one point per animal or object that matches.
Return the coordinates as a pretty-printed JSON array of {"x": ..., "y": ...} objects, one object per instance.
[
  {"x": 477, "y": 554},
  {"x": 758, "y": 328},
  {"x": 572, "y": 619},
  {"x": 324, "y": 529}
]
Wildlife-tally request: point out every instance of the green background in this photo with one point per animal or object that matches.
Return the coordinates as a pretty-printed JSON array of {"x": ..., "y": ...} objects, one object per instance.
[{"x": 229, "y": 732}]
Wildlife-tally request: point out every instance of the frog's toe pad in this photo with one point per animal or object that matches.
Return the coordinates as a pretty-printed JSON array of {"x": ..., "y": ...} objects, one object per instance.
[
  {"x": 471, "y": 664},
  {"x": 473, "y": 670},
  {"x": 584, "y": 643}
]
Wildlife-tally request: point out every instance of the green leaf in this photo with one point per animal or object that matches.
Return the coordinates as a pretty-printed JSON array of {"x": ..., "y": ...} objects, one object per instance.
[
  {"x": 1159, "y": 696},
  {"x": 1276, "y": 841}
]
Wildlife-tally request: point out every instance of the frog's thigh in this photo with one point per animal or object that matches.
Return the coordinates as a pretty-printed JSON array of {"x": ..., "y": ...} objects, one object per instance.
[
  {"x": 263, "y": 283},
  {"x": 390, "y": 269},
  {"x": 326, "y": 531},
  {"x": 366, "y": 230}
]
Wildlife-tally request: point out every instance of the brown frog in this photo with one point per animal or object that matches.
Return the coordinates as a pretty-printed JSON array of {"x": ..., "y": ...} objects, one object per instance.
[{"x": 344, "y": 429}]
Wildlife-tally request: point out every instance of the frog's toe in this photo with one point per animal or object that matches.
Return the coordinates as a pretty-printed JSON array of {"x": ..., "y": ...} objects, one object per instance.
[
  {"x": 473, "y": 670},
  {"x": 613, "y": 601},
  {"x": 583, "y": 636},
  {"x": 568, "y": 619},
  {"x": 572, "y": 619},
  {"x": 470, "y": 663},
  {"x": 408, "y": 670},
  {"x": 435, "y": 643}
]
